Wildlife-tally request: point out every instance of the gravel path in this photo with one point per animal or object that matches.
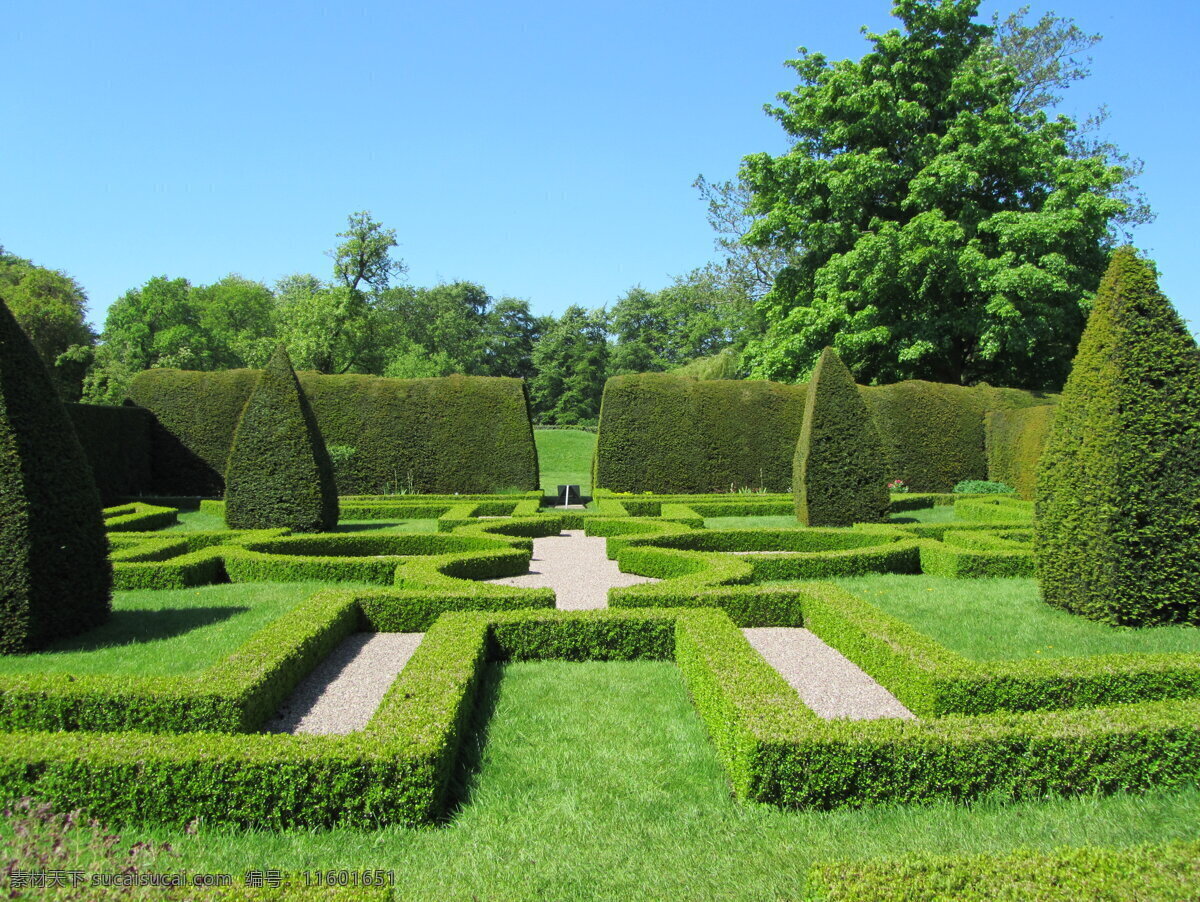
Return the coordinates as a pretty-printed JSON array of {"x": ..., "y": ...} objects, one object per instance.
[
  {"x": 574, "y": 565},
  {"x": 342, "y": 693},
  {"x": 828, "y": 682}
]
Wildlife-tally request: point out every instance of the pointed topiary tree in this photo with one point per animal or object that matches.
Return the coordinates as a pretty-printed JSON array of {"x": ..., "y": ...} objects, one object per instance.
[
  {"x": 1117, "y": 514},
  {"x": 55, "y": 578},
  {"x": 838, "y": 472},
  {"x": 279, "y": 472}
]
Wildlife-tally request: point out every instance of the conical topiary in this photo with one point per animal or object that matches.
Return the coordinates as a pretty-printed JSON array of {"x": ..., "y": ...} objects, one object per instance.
[
  {"x": 1117, "y": 515},
  {"x": 55, "y": 578},
  {"x": 838, "y": 472},
  {"x": 279, "y": 473}
]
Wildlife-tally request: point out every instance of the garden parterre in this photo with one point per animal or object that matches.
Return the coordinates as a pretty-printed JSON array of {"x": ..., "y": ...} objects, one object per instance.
[{"x": 168, "y": 750}]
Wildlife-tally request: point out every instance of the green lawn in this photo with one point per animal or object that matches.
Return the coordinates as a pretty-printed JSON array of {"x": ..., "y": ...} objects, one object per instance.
[
  {"x": 942, "y": 514},
  {"x": 564, "y": 458},
  {"x": 596, "y": 781},
  {"x": 1005, "y": 619},
  {"x": 199, "y": 521},
  {"x": 169, "y": 631}
]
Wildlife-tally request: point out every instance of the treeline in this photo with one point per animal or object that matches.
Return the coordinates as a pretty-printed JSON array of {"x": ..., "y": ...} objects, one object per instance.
[{"x": 358, "y": 320}]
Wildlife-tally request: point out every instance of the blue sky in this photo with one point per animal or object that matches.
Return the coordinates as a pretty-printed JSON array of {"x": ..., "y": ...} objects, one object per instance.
[{"x": 545, "y": 150}]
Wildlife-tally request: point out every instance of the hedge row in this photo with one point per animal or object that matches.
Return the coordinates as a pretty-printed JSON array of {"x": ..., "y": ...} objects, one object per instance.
[
  {"x": 1162, "y": 872},
  {"x": 242, "y": 691},
  {"x": 117, "y": 442},
  {"x": 455, "y": 434},
  {"x": 492, "y": 549},
  {"x": 1015, "y": 440},
  {"x": 667, "y": 433},
  {"x": 773, "y": 747},
  {"x": 671, "y": 434},
  {"x": 139, "y": 517}
]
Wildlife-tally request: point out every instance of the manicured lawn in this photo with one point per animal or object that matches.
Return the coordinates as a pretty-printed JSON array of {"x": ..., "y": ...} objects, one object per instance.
[
  {"x": 1005, "y": 619},
  {"x": 596, "y": 781},
  {"x": 564, "y": 458},
  {"x": 169, "y": 631},
  {"x": 943, "y": 513},
  {"x": 785, "y": 521},
  {"x": 200, "y": 521}
]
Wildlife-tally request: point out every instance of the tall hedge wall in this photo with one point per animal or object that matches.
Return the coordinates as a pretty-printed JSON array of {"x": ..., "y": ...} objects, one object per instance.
[
  {"x": 116, "y": 442},
  {"x": 456, "y": 434},
  {"x": 665, "y": 433},
  {"x": 662, "y": 432},
  {"x": 1015, "y": 440}
]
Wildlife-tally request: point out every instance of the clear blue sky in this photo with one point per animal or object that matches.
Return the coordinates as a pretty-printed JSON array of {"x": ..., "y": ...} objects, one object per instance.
[{"x": 545, "y": 150}]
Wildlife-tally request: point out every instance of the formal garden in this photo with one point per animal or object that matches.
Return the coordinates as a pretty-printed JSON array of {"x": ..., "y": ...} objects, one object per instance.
[{"x": 998, "y": 591}]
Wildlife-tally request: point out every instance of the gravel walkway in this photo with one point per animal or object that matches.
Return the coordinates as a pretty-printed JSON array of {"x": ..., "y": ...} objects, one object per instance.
[
  {"x": 574, "y": 565},
  {"x": 828, "y": 682},
  {"x": 342, "y": 693}
]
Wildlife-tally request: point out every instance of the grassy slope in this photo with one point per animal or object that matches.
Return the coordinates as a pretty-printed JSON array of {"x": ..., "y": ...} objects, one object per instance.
[
  {"x": 991, "y": 619},
  {"x": 596, "y": 781},
  {"x": 564, "y": 458}
]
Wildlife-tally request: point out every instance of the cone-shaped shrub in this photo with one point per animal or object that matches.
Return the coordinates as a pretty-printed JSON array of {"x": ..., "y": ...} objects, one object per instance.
[
  {"x": 838, "y": 472},
  {"x": 279, "y": 472},
  {"x": 55, "y": 578},
  {"x": 1117, "y": 517}
]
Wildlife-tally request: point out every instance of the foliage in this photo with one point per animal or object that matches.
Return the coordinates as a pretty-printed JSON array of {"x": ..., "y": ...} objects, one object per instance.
[
  {"x": 981, "y": 487},
  {"x": 654, "y": 331},
  {"x": 458, "y": 434},
  {"x": 55, "y": 578},
  {"x": 51, "y": 308},
  {"x": 279, "y": 473},
  {"x": 570, "y": 361},
  {"x": 897, "y": 487},
  {"x": 1118, "y": 487},
  {"x": 1015, "y": 439},
  {"x": 838, "y": 472},
  {"x": 937, "y": 231}
]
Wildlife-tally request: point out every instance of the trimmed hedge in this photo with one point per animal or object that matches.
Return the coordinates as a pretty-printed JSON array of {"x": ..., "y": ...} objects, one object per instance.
[
  {"x": 838, "y": 471},
  {"x": 1162, "y": 872},
  {"x": 117, "y": 443},
  {"x": 1015, "y": 440},
  {"x": 670, "y": 434},
  {"x": 774, "y": 748},
  {"x": 464, "y": 434},
  {"x": 667, "y": 433},
  {"x": 138, "y": 517},
  {"x": 1118, "y": 490},
  {"x": 279, "y": 475},
  {"x": 55, "y": 579}
]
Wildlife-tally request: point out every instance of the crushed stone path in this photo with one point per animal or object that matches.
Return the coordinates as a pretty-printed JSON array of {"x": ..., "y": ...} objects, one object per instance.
[
  {"x": 345, "y": 689},
  {"x": 828, "y": 682},
  {"x": 575, "y": 566}
]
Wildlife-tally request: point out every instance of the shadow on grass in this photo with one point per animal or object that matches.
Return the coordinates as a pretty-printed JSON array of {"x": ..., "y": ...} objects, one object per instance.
[
  {"x": 139, "y": 627},
  {"x": 364, "y": 527},
  {"x": 475, "y": 740}
]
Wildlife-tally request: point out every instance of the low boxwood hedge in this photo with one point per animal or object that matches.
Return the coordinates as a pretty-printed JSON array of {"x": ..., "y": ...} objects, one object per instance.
[
  {"x": 138, "y": 517},
  {"x": 773, "y": 747}
]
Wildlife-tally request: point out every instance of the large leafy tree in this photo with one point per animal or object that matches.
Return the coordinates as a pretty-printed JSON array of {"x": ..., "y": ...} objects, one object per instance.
[
  {"x": 570, "y": 360},
  {"x": 937, "y": 228},
  {"x": 51, "y": 309},
  {"x": 695, "y": 316}
]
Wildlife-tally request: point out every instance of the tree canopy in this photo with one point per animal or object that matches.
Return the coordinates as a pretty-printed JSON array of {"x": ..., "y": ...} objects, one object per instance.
[{"x": 938, "y": 224}]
